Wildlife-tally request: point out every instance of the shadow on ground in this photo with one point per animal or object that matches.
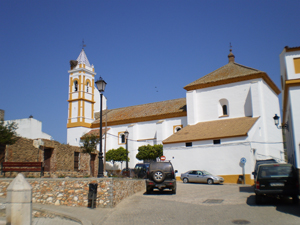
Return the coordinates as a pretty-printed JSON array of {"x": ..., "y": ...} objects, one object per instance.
[
  {"x": 248, "y": 189},
  {"x": 284, "y": 205},
  {"x": 159, "y": 193}
]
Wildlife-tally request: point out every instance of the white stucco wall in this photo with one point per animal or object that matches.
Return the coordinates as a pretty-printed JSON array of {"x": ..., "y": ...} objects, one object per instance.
[
  {"x": 294, "y": 125},
  {"x": 292, "y": 106},
  {"x": 30, "y": 128},
  {"x": 207, "y": 102},
  {"x": 74, "y": 134},
  {"x": 223, "y": 159}
]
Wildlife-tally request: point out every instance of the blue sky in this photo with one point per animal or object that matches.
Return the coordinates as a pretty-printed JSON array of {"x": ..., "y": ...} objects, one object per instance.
[{"x": 146, "y": 50}]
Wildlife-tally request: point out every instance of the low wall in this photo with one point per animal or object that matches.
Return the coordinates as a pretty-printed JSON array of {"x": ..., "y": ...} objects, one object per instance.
[{"x": 74, "y": 191}]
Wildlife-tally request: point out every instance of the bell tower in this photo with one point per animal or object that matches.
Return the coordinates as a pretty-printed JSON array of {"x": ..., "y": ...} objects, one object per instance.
[{"x": 81, "y": 98}]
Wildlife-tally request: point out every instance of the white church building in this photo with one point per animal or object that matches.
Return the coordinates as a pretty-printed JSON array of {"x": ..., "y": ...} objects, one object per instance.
[
  {"x": 226, "y": 115},
  {"x": 290, "y": 84}
]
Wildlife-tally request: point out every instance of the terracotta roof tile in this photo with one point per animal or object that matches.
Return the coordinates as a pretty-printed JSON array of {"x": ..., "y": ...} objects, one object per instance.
[
  {"x": 230, "y": 73},
  {"x": 217, "y": 129},
  {"x": 230, "y": 70},
  {"x": 95, "y": 132},
  {"x": 145, "y": 112}
]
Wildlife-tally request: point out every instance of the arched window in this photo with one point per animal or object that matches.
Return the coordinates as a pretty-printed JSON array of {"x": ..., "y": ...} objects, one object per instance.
[
  {"x": 177, "y": 128},
  {"x": 75, "y": 85},
  {"x": 224, "y": 107},
  {"x": 122, "y": 136},
  {"x": 87, "y": 87}
]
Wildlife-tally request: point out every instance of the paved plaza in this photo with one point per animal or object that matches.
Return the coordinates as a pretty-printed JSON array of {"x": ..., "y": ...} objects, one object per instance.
[{"x": 193, "y": 204}]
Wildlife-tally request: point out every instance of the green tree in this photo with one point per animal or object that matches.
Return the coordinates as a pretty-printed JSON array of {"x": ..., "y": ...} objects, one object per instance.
[
  {"x": 149, "y": 152},
  {"x": 116, "y": 155},
  {"x": 89, "y": 143},
  {"x": 8, "y": 135}
]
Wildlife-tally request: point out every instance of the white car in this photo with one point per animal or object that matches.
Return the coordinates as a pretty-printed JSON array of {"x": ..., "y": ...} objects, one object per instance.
[{"x": 200, "y": 176}]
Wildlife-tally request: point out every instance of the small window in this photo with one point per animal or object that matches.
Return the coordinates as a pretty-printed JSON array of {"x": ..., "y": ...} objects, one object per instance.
[
  {"x": 87, "y": 87},
  {"x": 217, "y": 142},
  {"x": 76, "y": 161},
  {"x": 177, "y": 128},
  {"x": 189, "y": 144},
  {"x": 75, "y": 85},
  {"x": 224, "y": 107},
  {"x": 122, "y": 136}
]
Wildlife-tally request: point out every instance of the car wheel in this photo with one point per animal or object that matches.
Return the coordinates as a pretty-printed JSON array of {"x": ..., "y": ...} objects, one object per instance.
[
  {"x": 158, "y": 176},
  {"x": 258, "y": 199},
  {"x": 210, "y": 181},
  {"x": 295, "y": 199},
  {"x": 185, "y": 180}
]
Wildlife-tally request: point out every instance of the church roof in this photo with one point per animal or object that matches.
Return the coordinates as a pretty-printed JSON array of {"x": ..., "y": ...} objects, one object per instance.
[
  {"x": 230, "y": 73},
  {"x": 146, "y": 112},
  {"x": 82, "y": 58},
  {"x": 95, "y": 132},
  {"x": 211, "y": 130}
]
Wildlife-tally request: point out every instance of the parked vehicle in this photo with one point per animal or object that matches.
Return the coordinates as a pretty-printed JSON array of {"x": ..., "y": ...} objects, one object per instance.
[
  {"x": 201, "y": 176},
  {"x": 129, "y": 173},
  {"x": 141, "y": 169},
  {"x": 259, "y": 162},
  {"x": 161, "y": 176},
  {"x": 276, "y": 180}
]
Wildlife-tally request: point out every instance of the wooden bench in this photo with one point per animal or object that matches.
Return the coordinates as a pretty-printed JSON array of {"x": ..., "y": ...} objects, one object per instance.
[{"x": 22, "y": 167}]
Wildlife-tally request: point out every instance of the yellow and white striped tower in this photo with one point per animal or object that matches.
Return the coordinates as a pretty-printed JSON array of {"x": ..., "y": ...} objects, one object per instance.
[{"x": 81, "y": 98}]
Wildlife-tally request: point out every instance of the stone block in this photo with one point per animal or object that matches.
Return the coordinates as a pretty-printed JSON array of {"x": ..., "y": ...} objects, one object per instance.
[{"x": 19, "y": 202}]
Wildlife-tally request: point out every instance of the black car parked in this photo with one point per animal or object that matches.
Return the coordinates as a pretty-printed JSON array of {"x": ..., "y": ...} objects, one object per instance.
[
  {"x": 276, "y": 180},
  {"x": 259, "y": 162},
  {"x": 141, "y": 169},
  {"x": 161, "y": 175}
]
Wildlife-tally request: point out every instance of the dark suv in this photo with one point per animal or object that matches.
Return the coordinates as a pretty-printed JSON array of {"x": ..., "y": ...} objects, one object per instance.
[
  {"x": 161, "y": 176},
  {"x": 276, "y": 180},
  {"x": 141, "y": 169}
]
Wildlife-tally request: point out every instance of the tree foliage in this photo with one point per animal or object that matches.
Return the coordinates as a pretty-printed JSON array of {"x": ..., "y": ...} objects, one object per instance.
[
  {"x": 89, "y": 143},
  {"x": 149, "y": 152},
  {"x": 116, "y": 155},
  {"x": 8, "y": 135}
]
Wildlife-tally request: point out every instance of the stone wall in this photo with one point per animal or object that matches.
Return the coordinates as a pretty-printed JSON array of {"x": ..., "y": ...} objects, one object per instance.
[
  {"x": 61, "y": 160},
  {"x": 74, "y": 191}
]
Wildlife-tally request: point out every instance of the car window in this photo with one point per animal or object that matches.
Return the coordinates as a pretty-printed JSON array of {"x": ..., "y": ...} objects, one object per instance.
[
  {"x": 206, "y": 173},
  {"x": 139, "y": 167},
  {"x": 199, "y": 173},
  {"x": 275, "y": 171},
  {"x": 193, "y": 172}
]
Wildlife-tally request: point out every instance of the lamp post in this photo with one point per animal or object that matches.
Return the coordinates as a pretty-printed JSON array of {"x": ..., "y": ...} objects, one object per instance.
[
  {"x": 276, "y": 121},
  {"x": 126, "y": 141},
  {"x": 101, "y": 87}
]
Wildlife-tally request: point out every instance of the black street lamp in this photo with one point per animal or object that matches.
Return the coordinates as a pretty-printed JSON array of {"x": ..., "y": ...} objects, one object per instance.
[
  {"x": 126, "y": 133},
  {"x": 276, "y": 121},
  {"x": 101, "y": 87}
]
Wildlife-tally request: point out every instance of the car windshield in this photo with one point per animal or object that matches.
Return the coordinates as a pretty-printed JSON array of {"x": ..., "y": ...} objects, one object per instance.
[
  {"x": 275, "y": 171},
  {"x": 206, "y": 173}
]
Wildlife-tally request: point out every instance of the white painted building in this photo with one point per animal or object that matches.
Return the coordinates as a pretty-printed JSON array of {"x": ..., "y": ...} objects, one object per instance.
[
  {"x": 290, "y": 84},
  {"x": 30, "y": 128},
  {"x": 226, "y": 115}
]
